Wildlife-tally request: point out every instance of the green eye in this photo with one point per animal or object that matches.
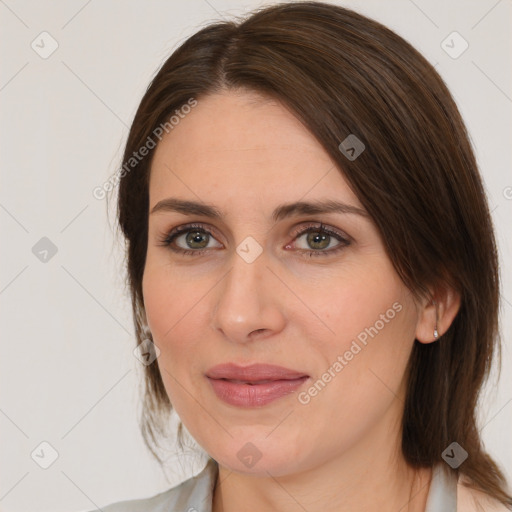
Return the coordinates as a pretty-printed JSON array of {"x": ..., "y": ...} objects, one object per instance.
[
  {"x": 190, "y": 240},
  {"x": 320, "y": 241}
]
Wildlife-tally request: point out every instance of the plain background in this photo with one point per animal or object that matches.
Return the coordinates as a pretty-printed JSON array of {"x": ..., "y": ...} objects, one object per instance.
[{"x": 68, "y": 374}]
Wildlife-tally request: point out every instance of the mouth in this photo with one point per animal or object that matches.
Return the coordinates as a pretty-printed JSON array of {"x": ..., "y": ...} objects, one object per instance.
[{"x": 255, "y": 385}]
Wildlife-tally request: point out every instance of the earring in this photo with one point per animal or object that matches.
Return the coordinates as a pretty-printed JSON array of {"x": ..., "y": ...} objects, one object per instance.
[{"x": 436, "y": 333}]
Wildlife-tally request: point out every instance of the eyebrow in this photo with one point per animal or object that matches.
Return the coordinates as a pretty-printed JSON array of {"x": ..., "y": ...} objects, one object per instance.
[{"x": 281, "y": 212}]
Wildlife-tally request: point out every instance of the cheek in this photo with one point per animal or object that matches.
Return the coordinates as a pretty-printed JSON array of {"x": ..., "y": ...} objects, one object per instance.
[
  {"x": 360, "y": 368},
  {"x": 170, "y": 295},
  {"x": 158, "y": 299},
  {"x": 360, "y": 299},
  {"x": 177, "y": 308},
  {"x": 172, "y": 310},
  {"x": 168, "y": 304},
  {"x": 371, "y": 319}
]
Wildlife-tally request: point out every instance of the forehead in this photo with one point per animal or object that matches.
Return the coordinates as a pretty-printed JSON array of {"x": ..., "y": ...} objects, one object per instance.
[{"x": 243, "y": 142}]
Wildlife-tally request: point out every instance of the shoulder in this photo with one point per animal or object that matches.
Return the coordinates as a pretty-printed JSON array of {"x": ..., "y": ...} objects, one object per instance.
[
  {"x": 472, "y": 500},
  {"x": 194, "y": 493}
]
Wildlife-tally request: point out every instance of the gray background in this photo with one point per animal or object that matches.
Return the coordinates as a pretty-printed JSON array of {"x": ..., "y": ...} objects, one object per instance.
[{"x": 68, "y": 375}]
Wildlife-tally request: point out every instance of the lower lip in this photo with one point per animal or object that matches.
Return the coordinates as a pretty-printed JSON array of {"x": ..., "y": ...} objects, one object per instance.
[{"x": 255, "y": 395}]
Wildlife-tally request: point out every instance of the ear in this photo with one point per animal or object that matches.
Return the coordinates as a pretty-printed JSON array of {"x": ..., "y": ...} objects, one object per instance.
[{"x": 442, "y": 306}]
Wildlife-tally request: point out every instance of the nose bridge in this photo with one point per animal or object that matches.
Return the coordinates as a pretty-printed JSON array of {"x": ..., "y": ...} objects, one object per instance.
[
  {"x": 242, "y": 280},
  {"x": 245, "y": 302}
]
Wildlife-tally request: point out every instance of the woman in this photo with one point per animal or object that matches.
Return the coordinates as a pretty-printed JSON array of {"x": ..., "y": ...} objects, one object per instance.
[{"x": 311, "y": 253}]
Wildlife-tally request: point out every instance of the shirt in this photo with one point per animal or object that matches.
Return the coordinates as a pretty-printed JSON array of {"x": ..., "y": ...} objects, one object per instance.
[{"x": 196, "y": 495}]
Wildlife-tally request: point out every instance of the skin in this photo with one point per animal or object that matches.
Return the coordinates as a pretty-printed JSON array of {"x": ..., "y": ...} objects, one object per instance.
[{"x": 246, "y": 155}]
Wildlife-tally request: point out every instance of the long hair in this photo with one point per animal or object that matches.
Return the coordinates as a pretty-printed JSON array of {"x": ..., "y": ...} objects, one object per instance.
[{"x": 341, "y": 73}]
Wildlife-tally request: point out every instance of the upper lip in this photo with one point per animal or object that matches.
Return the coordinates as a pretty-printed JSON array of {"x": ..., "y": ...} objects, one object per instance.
[{"x": 253, "y": 372}]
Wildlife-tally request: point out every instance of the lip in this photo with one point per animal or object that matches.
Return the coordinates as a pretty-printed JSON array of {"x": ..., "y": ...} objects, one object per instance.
[{"x": 255, "y": 385}]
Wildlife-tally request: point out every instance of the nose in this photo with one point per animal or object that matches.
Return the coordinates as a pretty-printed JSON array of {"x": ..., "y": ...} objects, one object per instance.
[{"x": 247, "y": 302}]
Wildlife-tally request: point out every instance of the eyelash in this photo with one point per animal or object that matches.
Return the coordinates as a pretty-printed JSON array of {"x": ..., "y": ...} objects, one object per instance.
[{"x": 344, "y": 240}]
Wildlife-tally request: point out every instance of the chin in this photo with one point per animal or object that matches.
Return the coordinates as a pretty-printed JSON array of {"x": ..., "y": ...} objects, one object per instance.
[{"x": 258, "y": 455}]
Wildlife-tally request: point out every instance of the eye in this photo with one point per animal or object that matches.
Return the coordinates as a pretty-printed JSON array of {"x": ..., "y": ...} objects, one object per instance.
[
  {"x": 316, "y": 240},
  {"x": 190, "y": 239}
]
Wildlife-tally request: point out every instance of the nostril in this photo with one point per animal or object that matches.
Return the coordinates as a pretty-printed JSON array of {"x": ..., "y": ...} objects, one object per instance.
[{"x": 256, "y": 332}]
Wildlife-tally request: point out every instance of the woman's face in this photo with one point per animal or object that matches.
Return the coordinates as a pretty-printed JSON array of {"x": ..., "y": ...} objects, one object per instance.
[{"x": 261, "y": 284}]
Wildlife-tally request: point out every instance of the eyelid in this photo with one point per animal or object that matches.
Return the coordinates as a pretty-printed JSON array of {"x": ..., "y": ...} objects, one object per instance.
[
  {"x": 185, "y": 228},
  {"x": 320, "y": 226}
]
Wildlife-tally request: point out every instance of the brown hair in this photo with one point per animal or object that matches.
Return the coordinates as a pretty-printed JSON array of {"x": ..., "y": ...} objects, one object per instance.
[{"x": 341, "y": 73}]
